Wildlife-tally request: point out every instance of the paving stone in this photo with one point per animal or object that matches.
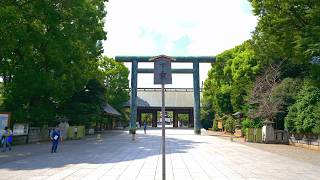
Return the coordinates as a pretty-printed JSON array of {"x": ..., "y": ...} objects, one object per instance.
[{"x": 188, "y": 156}]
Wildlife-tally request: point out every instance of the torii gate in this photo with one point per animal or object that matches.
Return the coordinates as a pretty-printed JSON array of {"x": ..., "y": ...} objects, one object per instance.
[{"x": 179, "y": 59}]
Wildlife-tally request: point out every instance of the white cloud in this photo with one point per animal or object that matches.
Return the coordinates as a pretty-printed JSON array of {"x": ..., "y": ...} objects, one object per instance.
[{"x": 176, "y": 27}]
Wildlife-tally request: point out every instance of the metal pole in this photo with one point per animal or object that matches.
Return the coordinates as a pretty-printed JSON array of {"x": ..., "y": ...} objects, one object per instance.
[{"x": 163, "y": 135}]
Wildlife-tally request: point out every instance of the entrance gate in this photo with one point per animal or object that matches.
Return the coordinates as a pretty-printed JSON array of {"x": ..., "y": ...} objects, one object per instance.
[{"x": 180, "y": 59}]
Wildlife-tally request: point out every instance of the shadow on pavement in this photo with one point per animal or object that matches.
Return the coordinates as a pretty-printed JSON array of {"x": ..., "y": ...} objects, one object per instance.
[{"x": 112, "y": 148}]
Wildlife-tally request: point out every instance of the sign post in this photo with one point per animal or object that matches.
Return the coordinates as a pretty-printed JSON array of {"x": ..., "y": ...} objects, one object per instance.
[{"x": 162, "y": 75}]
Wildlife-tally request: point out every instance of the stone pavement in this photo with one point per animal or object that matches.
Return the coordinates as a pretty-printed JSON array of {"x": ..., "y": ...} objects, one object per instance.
[{"x": 117, "y": 157}]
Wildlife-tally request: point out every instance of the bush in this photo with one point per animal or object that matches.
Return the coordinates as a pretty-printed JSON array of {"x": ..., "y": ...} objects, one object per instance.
[
  {"x": 316, "y": 129},
  {"x": 229, "y": 124},
  {"x": 215, "y": 125},
  {"x": 206, "y": 123},
  {"x": 303, "y": 116},
  {"x": 248, "y": 123}
]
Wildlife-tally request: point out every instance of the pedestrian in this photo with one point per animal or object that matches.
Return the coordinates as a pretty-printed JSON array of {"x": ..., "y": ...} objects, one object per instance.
[
  {"x": 10, "y": 139},
  {"x": 75, "y": 130},
  {"x": 145, "y": 127},
  {"x": 55, "y": 137},
  {"x": 4, "y": 139}
]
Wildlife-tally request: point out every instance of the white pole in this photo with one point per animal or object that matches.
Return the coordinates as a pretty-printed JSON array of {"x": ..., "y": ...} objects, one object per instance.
[{"x": 163, "y": 135}]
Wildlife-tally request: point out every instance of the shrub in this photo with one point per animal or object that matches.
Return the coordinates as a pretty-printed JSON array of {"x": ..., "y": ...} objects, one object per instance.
[
  {"x": 229, "y": 124},
  {"x": 215, "y": 125},
  {"x": 248, "y": 123},
  {"x": 303, "y": 116}
]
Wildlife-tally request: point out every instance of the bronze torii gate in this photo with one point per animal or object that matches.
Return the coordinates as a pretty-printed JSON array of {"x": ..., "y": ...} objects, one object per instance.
[{"x": 179, "y": 59}]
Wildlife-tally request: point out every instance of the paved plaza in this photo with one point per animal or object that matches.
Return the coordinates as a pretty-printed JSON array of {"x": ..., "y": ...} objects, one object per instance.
[{"x": 189, "y": 156}]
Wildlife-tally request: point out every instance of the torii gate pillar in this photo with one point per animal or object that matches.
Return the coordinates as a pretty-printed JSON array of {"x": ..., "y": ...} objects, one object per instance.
[
  {"x": 133, "y": 102},
  {"x": 196, "y": 94}
]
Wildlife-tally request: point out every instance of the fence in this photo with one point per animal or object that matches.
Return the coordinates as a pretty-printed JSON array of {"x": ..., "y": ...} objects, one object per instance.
[
  {"x": 306, "y": 141},
  {"x": 76, "y": 132},
  {"x": 37, "y": 134},
  {"x": 254, "y": 135},
  {"x": 281, "y": 137}
]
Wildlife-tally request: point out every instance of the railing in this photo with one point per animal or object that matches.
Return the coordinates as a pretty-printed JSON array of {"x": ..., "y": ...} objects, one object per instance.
[{"x": 307, "y": 141}]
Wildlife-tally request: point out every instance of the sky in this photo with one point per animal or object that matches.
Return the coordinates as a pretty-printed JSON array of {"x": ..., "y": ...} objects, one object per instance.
[{"x": 176, "y": 28}]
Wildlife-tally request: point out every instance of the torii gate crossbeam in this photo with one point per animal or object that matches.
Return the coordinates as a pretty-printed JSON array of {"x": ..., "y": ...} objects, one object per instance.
[{"x": 179, "y": 59}]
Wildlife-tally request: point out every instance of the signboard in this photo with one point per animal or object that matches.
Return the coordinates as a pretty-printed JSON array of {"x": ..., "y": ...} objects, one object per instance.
[
  {"x": 162, "y": 70},
  {"x": 220, "y": 124},
  {"x": 20, "y": 129},
  {"x": 4, "y": 120}
]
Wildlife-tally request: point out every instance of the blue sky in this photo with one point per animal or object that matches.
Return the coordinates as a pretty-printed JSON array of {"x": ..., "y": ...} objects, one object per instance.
[{"x": 176, "y": 28}]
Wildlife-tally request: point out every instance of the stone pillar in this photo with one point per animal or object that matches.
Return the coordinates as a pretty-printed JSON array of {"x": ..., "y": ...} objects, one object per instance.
[
  {"x": 196, "y": 92},
  {"x": 175, "y": 119},
  {"x": 133, "y": 104},
  {"x": 268, "y": 133},
  {"x": 154, "y": 118}
]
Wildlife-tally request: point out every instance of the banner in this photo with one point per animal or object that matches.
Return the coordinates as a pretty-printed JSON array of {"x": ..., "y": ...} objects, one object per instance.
[{"x": 4, "y": 120}]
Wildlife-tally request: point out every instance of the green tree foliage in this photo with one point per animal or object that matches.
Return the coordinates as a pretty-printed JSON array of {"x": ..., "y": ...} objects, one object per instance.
[
  {"x": 287, "y": 30},
  {"x": 230, "y": 80},
  {"x": 86, "y": 106},
  {"x": 286, "y": 39},
  {"x": 283, "y": 95},
  {"x": 250, "y": 123},
  {"x": 303, "y": 115},
  {"x": 146, "y": 117},
  {"x": 115, "y": 78},
  {"x": 48, "y": 51},
  {"x": 1, "y": 95},
  {"x": 111, "y": 86},
  {"x": 184, "y": 119},
  {"x": 229, "y": 123}
]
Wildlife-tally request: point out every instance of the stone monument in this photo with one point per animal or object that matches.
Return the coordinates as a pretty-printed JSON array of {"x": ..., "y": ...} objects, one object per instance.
[{"x": 268, "y": 132}]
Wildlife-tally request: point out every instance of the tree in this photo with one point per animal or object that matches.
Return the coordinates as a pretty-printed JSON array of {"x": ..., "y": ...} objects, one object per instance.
[
  {"x": 302, "y": 116},
  {"x": 48, "y": 51},
  {"x": 283, "y": 95},
  {"x": 114, "y": 75},
  {"x": 86, "y": 106},
  {"x": 146, "y": 117},
  {"x": 287, "y": 31},
  {"x": 1, "y": 95},
  {"x": 230, "y": 79},
  {"x": 261, "y": 97},
  {"x": 184, "y": 119}
]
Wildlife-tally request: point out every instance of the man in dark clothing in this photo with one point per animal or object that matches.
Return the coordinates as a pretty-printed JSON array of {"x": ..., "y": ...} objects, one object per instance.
[{"x": 55, "y": 136}]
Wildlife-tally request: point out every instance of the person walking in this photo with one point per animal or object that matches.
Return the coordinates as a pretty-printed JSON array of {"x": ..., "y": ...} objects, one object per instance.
[
  {"x": 145, "y": 127},
  {"x": 10, "y": 139},
  {"x": 55, "y": 136},
  {"x": 5, "y": 136}
]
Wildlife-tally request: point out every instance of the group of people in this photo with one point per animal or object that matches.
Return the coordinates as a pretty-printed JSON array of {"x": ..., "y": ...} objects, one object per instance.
[
  {"x": 55, "y": 136},
  {"x": 6, "y": 139}
]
